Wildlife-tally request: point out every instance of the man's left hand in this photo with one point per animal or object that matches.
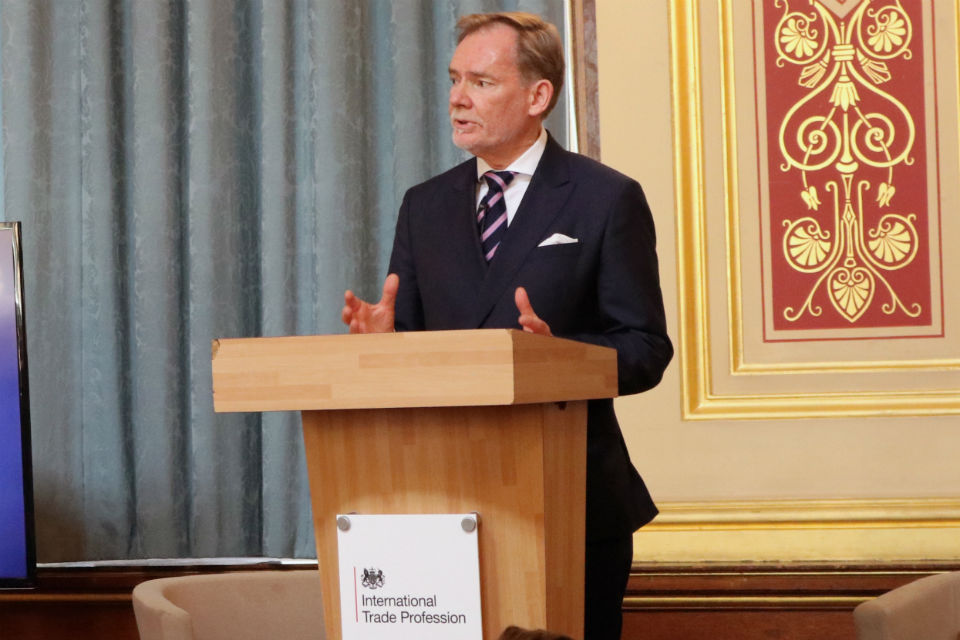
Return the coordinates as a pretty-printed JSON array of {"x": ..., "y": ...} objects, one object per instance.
[{"x": 529, "y": 319}]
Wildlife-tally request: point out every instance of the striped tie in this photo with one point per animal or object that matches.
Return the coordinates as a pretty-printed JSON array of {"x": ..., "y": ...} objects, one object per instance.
[{"x": 492, "y": 212}]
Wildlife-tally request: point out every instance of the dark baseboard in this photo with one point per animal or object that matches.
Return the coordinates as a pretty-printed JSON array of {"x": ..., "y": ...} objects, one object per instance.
[{"x": 757, "y": 601}]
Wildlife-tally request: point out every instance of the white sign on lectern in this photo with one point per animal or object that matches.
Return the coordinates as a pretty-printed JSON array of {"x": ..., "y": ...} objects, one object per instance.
[{"x": 409, "y": 576}]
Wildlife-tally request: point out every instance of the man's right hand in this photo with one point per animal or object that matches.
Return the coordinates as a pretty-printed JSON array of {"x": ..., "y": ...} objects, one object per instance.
[{"x": 363, "y": 317}]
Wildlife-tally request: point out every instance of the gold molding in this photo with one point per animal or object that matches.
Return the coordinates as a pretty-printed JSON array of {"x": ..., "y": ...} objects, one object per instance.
[
  {"x": 688, "y": 162},
  {"x": 699, "y": 401},
  {"x": 743, "y": 602},
  {"x": 921, "y": 529},
  {"x": 803, "y": 514},
  {"x": 705, "y": 405},
  {"x": 731, "y": 179}
]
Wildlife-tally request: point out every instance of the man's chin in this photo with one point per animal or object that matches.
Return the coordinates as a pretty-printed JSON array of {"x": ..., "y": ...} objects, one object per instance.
[{"x": 464, "y": 142}]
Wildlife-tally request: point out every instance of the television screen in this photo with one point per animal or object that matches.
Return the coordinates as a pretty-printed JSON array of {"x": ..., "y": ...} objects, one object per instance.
[{"x": 17, "y": 555}]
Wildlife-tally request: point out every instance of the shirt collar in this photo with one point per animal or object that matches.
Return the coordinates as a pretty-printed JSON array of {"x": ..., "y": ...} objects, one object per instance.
[{"x": 526, "y": 164}]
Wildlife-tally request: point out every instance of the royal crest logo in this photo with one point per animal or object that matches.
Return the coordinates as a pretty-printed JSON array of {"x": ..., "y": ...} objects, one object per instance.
[{"x": 372, "y": 578}]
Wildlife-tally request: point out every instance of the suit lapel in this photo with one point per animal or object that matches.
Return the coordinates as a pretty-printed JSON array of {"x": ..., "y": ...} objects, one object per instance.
[
  {"x": 464, "y": 255},
  {"x": 541, "y": 204}
]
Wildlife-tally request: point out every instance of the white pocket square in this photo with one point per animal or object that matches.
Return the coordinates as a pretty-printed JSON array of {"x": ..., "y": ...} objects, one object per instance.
[{"x": 557, "y": 238}]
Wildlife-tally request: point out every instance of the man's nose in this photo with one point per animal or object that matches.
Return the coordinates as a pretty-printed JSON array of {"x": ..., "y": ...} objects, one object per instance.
[{"x": 458, "y": 97}]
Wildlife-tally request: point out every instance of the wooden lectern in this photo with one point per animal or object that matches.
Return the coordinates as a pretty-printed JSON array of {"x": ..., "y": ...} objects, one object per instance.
[{"x": 489, "y": 420}]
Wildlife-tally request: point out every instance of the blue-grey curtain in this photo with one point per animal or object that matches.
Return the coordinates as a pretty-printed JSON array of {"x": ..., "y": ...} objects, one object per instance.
[{"x": 192, "y": 169}]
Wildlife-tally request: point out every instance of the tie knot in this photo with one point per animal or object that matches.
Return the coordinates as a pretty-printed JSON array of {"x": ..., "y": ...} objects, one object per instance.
[{"x": 498, "y": 180}]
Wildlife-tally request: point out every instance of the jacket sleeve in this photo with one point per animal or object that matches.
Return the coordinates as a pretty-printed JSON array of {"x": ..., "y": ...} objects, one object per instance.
[
  {"x": 409, "y": 308},
  {"x": 629, "y": 299}
]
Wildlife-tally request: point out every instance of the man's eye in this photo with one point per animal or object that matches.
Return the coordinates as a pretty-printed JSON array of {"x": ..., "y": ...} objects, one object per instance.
[{"x": 483, "y": 83}]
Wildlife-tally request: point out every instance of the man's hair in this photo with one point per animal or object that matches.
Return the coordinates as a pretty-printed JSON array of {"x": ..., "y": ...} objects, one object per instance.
[{"x": 539, "y": 47}]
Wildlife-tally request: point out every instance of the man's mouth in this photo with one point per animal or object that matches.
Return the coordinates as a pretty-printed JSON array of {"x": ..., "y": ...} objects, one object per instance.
[{"x": 461, "y": 125}]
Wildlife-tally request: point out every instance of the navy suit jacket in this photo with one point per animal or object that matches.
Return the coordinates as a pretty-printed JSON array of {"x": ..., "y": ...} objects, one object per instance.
[{"x": 604, "y": 289}]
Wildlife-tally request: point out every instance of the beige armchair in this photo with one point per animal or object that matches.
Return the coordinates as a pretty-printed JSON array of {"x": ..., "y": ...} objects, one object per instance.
[
  {"x": 926, "y": 609},
  {"x": 231, "y": 606}
]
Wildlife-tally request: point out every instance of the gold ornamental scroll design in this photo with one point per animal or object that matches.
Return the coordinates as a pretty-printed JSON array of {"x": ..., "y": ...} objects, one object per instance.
[
  {"x": 700, "y": 397},
  {"x": 844, "y": 254}
]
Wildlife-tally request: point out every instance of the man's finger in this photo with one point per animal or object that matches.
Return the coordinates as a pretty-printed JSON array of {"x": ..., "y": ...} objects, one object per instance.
[
  {"x": 390, "y": 287},
  {"x": 531, "y": 323},
  {"x": 522, "y": 301},
  {"x": 351, "y": 300},
  {"x": 529, "y": 320}
]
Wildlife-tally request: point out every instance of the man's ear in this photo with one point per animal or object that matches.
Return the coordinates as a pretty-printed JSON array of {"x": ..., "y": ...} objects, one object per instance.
[{"x": 541, "y": 92}]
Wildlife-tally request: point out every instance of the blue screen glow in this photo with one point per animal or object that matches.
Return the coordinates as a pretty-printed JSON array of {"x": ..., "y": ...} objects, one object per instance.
[{"x": 13, "y": 536}]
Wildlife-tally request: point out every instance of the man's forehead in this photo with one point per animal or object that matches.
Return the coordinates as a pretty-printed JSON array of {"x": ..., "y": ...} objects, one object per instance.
[
  {"x": 495, "y": 30},
  {"x": 489, "y": 45}
]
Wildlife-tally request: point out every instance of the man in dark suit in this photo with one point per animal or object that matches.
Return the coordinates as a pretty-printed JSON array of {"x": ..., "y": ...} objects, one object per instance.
[{"x": 528, "y": 235}]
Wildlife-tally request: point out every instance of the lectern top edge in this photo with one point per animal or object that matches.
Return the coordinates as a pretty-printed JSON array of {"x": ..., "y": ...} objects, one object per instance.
[{"x": 408, "y": 369}]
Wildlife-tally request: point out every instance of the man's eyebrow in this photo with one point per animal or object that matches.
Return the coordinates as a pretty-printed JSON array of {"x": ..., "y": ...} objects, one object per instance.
[{"x": 471, "y": 74}]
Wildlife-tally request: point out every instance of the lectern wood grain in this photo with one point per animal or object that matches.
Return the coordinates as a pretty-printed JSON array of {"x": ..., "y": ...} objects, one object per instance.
[
  {"x": 523, "y": 469},
  {"x": 414, "y": 369}
]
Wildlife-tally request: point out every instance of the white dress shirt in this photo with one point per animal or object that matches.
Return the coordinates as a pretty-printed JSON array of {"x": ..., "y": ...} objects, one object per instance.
[{"x": 523, "y": 167}]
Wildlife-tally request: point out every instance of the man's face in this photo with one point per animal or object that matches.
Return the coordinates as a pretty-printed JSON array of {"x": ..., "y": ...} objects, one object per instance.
[{"x": 492, "y": 107}]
